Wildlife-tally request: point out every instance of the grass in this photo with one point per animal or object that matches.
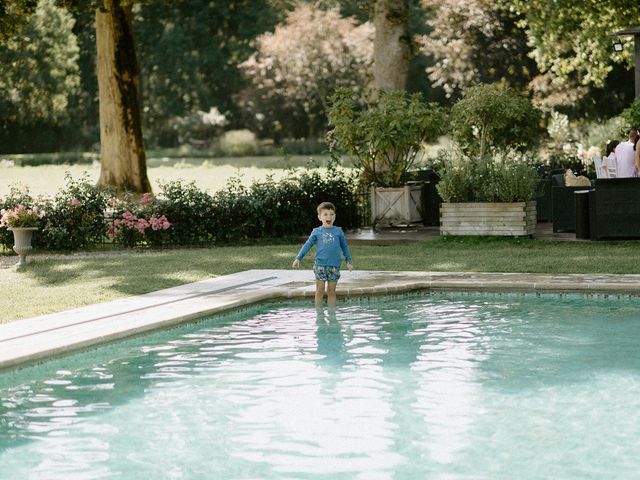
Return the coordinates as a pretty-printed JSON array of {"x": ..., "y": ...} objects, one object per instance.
[
  {"x": 209, "y": 174},
  {"x": 49, "y": 285}
]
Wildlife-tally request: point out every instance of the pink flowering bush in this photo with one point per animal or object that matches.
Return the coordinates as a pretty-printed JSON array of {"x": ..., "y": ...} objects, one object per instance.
[{"x": 137, "y": 223}]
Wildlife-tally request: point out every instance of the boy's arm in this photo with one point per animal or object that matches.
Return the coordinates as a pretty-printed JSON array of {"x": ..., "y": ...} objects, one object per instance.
[
  {"x": 305, "y": 249},
  {"x": 345, "y": 250}
]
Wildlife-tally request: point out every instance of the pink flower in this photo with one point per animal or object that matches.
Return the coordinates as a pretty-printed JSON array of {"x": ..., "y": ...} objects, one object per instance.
[
  {"x": 159, "y": 223},
  {"x": 75, "y": 202},
  {"x": 146, "y": 198}
]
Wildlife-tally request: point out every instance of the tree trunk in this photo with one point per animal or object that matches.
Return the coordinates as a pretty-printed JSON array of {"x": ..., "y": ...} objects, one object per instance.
[
  {"x": 392, "y": 45},
  {"x": 122, "y": 156}
]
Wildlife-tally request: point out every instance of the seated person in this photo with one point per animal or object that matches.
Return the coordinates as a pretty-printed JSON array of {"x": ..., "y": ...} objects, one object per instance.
[
  {"x": 626, "y": 155},
  {"x": 609, "y": 162}
]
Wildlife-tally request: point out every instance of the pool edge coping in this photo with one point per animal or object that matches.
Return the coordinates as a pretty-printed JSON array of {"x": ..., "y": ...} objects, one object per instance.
[{"x": 38, "y": 339}]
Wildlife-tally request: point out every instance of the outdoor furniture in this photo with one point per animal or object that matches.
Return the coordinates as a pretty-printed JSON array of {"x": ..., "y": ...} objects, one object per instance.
[
  {"x": 614, "y": 208},
  {"x": 563, "y": 205}
]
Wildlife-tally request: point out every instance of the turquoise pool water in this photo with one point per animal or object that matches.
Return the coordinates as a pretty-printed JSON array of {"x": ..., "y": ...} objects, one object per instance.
[{"x": 442, "y": 386}]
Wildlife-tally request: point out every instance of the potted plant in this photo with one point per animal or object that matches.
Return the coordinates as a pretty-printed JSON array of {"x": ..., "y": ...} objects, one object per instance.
[
  {"x": 488, "y": 184},
  {"x": 384, "y": 136},
  {"x": 22, "y": 221}
]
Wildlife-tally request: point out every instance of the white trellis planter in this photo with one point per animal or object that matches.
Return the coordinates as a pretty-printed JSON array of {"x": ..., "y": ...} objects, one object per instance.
[
  {"x": 22, "y": 242},
  {"x": 504, "y": 219},
  {"x": 396, "y": 206}
]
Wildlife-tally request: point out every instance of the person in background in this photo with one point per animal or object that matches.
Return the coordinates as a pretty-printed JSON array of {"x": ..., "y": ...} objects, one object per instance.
[
  {"x": 610, "y": 150},
  {"x": 626, "y": 155},
  {"x": 636, "y": 148}
]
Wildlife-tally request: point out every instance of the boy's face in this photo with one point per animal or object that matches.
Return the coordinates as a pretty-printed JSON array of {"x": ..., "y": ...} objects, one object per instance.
[{"x": 327, "y": 217}]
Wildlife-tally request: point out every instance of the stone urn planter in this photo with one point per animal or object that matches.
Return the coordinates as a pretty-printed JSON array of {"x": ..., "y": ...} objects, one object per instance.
[
  {"x": 503, "y": 219},
  {"x": 392, "y": 207},
  {"x": 22, "y": 242}
]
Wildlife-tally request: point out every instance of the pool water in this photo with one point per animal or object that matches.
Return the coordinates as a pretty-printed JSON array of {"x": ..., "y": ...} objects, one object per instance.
[{"x": 439, "y": 386}]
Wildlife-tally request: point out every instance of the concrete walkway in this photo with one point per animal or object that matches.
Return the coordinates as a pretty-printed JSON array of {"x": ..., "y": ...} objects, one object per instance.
[
  {"x": 35, "y": 339},
  {"x": 394, "y": 236}
]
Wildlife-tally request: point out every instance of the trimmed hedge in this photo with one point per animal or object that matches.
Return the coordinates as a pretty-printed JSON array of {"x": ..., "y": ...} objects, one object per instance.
[{"x": 81, "y": 216}]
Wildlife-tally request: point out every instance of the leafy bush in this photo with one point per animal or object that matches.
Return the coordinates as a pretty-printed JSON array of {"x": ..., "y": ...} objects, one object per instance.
[
  {"x": 384, "y": 136},
  {"x": 74, "y": 218},
  {"x": 80, "y": 215},
  {"x": 189, "y": 209},
  {"x": 238, "y": 142},
  {"x": 506, "y": 177},
  {"x": 632, "y": 114},
  {"x": 490, "y": 118},
  {"x": 134, "y": 223}
]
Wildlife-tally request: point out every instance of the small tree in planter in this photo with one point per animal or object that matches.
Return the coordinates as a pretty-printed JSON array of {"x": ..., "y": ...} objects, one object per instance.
[
  {"x": 384, "y": 136},
  {"x": 488, "y": 184}
]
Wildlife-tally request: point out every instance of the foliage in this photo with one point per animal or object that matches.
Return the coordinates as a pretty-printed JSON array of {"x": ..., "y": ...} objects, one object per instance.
[
  {"x": 190, "y": 211},
  {"x": 507, "y": 176},
  {"x": 199, "y": 129},
  {"x": 238, "y": 142},
  {"x": 571, "y": 39},
  {"x": 631, "y": 114},
  {"x": 13, "y": 15},
  {"x": 19, "y": 195},
  {"x": 39, "y": 69},
  {"x": 135, "y": 223},
  {"x": 492, "y": 118},
  {"x": 474, "y": 41},
  {"x": 299, "y": 65},
  {"x": 384, "y": 135},
  {"x": 20, "y": 216},
  {"x": 75, "y": 216},
  {"x": 278, "y": 209},
  {"x": 189, "y": 54}
]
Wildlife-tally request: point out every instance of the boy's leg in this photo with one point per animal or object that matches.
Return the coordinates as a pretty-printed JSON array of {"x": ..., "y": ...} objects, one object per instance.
[
  {"x": 319, "y": 292},
  {"x": 331, "y": 293}
]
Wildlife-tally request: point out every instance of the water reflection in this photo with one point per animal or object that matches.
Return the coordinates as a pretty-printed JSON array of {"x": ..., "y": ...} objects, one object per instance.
[{"x": 411, "y": 389}]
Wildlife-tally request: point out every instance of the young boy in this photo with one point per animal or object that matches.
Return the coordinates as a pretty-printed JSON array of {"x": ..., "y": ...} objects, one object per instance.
[{"x": 330, "y": 241}]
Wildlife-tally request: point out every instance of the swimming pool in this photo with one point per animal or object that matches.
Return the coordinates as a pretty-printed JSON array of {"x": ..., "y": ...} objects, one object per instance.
[{"x": 443, "y": 385}]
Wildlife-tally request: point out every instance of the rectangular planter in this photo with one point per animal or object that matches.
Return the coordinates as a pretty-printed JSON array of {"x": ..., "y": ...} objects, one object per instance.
[
  {"x": 504, "y": 219},
  {"x": 396, "y": 206}
]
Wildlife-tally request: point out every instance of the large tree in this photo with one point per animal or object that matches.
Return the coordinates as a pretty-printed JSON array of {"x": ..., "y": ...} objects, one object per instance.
[
  {"x": 572, "y": 44},
  {"x": 296, "y": 67},
  {"x": 475, "y": 41},
  {"x": 392, "y": 48},
  {"x": 39, "y": 72},
  {"x": 122, "y": 154}
]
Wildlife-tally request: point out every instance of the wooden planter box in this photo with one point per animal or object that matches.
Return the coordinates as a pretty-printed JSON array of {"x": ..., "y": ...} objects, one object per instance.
[
  {"x": 396, "y": 206},
  {"x": 505, "y": 219}
]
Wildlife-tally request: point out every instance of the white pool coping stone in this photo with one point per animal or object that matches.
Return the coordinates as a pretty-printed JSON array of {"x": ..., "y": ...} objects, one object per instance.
[{"x": 39, "y": 338}]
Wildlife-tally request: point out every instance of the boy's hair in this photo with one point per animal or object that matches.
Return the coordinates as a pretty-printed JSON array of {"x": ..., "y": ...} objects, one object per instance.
[{"x": 326, "y": 206}]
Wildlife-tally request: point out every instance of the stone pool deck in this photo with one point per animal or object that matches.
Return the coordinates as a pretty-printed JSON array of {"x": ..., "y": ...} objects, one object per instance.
[{"x": 36, "y": 339}]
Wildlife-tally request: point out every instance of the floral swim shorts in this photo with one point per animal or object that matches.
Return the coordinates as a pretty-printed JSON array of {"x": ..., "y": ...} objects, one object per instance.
[{"x": 325, "y": 273}]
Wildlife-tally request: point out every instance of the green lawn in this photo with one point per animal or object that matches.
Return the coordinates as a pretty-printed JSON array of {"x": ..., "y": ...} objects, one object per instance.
[
  {"x": 55, "y": 284},
  {"x": 208, "y": 174}
]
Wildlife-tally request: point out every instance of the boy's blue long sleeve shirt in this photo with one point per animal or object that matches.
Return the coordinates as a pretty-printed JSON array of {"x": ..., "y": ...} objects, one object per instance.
[{"x": 330, "y": 244}]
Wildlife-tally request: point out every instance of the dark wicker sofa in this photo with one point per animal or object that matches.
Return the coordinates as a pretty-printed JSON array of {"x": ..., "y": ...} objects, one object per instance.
[
  {"x": 614, "y": 208},
  {"x": 563, "y": 205}
]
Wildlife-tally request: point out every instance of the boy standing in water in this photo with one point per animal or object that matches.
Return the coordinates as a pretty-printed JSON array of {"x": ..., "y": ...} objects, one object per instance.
[{"x": 330, "y": 243}]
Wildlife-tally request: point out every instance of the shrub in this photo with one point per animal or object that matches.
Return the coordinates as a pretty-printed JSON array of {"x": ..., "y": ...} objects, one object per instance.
[
  {"x": 632, "y": 115},
  {"x": 189, "y": 209},
  {"x": 506, "y": 177},
  {"x": 238, "y": 143},
  {"x": 384, "y": 136},
  {"x": 74, "y": 217},
  {"x": 490, "y": 118},
  {"x": 135, "y": 223}
]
